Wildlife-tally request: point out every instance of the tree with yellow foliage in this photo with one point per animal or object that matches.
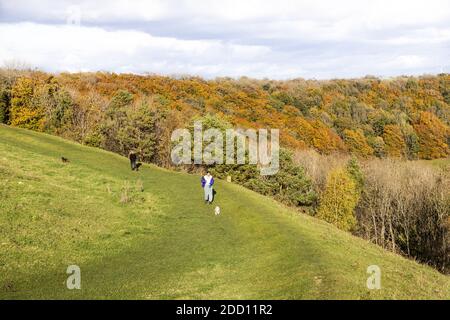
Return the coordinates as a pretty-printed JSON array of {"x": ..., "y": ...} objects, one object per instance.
[
  {"x": 24, "y": 112},
  {"x": 339, "y": 200},
  {"x": 433, "y": 136}
]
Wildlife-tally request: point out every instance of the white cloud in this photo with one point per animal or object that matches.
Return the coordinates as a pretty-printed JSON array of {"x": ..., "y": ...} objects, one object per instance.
[
  {"x": 407, "y": 62},
  {"x": 276, "y": 39},
  {"x": 90, "y": 48},
  {"x": 379, "y": 13}
]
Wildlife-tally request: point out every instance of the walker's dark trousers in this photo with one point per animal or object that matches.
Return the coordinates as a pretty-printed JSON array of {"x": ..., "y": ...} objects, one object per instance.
[{"x": 133, "y": 161}]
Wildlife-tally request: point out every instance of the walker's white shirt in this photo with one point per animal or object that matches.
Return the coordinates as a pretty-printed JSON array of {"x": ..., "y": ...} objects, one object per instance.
[{"x": 208, "y": 180}]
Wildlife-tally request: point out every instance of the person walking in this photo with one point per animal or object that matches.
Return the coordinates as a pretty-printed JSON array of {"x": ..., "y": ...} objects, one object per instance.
[
  {"x": 207, "y": 185},
  {"x": 133, "y": 160}
]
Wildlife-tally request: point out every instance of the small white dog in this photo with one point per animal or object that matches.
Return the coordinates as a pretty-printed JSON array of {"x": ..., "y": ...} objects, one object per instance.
[{"x": 217, "y": 210}]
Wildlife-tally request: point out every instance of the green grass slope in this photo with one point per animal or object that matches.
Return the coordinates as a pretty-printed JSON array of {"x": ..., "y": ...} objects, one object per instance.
[{"x": 163, "y": 242}]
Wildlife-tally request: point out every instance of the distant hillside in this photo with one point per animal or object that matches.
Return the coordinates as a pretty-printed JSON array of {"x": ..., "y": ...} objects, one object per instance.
[
  {"x": 406, "y": 117},
  {"x": 148, "y": 235}
]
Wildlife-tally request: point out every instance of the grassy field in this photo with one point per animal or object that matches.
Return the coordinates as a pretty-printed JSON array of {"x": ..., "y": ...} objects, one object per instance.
[
  {"x": 148, "y": 235},
  {"x": 442, "y": 163}
]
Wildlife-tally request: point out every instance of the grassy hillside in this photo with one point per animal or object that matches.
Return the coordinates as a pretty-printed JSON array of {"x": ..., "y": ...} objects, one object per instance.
[
  {"x": 163, "y": 242},
  {"x": 443, "y": 163}
]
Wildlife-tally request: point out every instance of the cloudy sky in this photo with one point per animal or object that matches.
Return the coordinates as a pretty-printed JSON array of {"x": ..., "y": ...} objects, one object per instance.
[{"x": 279, "y": 39}]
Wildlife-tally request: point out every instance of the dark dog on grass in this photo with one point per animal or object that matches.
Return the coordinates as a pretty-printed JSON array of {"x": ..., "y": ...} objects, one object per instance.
[{"x": 65, "y": 160}]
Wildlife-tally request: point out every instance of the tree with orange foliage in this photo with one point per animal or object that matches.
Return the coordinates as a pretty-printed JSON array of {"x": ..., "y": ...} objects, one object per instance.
[
  {"x": 316, "y": 134},
  {"x": 357, "y": 143},
  {"x": 395, "y": 145}
]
